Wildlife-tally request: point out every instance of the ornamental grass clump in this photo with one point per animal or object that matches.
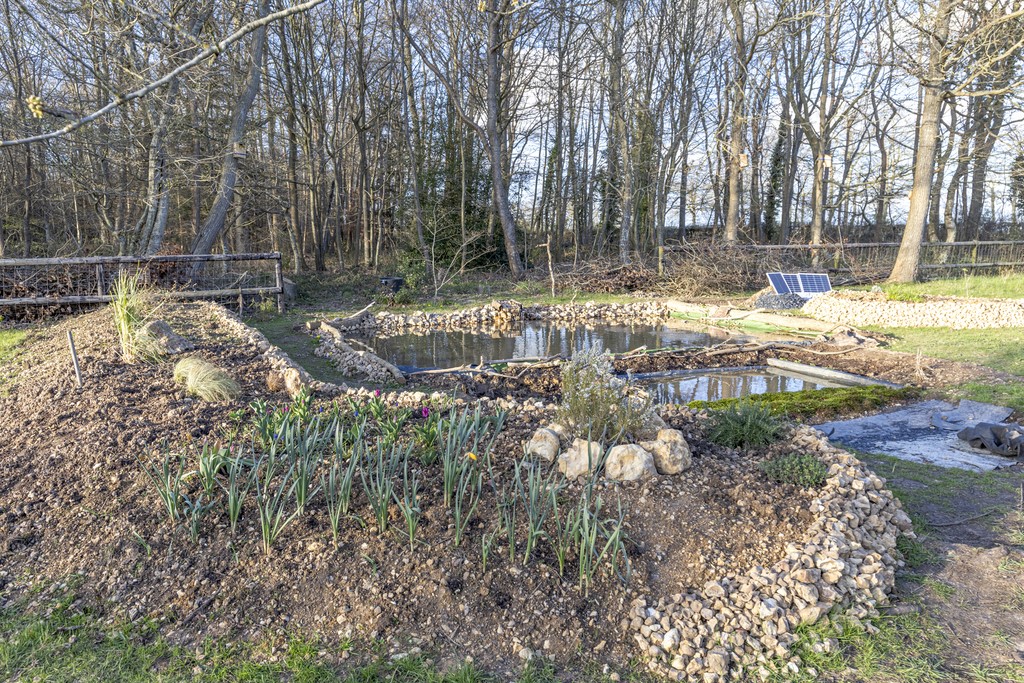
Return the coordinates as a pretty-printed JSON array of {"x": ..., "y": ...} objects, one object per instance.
[
  {"x": 594, "y": 398},
  {"x": 205, "y": 380},
  {"x": 744, "y": 424},
  {"x": 129, "y": 304},
  {"x": 799, "y": 469}
]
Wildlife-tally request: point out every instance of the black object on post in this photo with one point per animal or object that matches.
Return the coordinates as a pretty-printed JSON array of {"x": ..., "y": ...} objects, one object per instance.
[{"x": 392, "y": 284}]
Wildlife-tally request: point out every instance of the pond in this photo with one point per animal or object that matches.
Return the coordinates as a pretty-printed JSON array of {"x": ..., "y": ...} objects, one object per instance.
[
  {"x": 449, "y": 349},
  {"x": 713, "y": 385}
]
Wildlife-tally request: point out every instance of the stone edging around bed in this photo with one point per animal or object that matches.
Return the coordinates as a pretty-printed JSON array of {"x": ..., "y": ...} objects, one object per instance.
[
  {"x": 737, "y": 625},
  {"x": 863, "y": 309},
  {"x": 505, "y": 314}
]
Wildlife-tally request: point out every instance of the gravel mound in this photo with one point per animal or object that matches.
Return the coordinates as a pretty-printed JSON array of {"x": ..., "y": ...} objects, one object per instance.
[{"x": 779, "y": 302}]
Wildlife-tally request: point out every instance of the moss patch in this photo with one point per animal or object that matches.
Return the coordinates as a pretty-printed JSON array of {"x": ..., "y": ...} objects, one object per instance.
[{"x": 821, "y": 403}]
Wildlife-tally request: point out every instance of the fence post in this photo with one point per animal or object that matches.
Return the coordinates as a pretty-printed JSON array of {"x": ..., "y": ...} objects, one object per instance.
[
  {"x": 279, "y": 278},
  {"x": 101, "y": 289}
]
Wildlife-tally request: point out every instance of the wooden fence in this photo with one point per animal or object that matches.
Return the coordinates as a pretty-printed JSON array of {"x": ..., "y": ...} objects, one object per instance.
[{"x": 88, "y": 279}]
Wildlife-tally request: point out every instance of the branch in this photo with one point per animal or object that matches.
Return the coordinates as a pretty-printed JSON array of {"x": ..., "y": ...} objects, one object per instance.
[{"x": 198, "y": 59}]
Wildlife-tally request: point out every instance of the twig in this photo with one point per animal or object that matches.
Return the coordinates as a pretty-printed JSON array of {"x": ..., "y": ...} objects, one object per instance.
[{"x": 963, "y": 521}]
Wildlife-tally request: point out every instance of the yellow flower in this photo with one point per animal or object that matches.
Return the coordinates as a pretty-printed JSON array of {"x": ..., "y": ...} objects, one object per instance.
[{"x": 471, "y": 455}]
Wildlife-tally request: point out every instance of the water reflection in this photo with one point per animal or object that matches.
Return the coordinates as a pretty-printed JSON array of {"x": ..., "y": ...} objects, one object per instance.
[
  {"x": 439, "y": 349},
  {"x": 730, "y": 384}
]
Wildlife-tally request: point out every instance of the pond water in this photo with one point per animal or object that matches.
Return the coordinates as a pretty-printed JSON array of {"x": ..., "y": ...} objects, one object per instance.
[
  {"x": 711, "y": 385},
  {"x": 440, "y": 349}
]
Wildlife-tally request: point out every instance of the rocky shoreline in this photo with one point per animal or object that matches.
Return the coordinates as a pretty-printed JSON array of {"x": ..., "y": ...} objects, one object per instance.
[
  {"x": 499, "y": 315},
  {"x": 737, "y": 625}
]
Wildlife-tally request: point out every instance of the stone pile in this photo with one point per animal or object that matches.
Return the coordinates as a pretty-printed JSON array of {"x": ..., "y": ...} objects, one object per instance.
[
  {"x": 666, "y": 452},
  {"x": 352, "y": 362},
  {"x": 500, "y": 315},
  {"x": 864, "y": 309},
  {"x": 641, "y": 311},
  {"x": 733, "y": 628}
]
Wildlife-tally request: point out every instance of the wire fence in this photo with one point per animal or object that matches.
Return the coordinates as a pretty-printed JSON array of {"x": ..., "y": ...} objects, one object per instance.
[
  {"x": 49, "y": 285},
  {"x": 869, "y": 261}
]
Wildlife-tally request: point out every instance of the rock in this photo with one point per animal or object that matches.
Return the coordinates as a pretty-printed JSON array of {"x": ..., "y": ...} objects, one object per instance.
[
  {"x": 811, "y": 615},
  {"x": 671, "y": 640},
  {"x": 670, "y": 450},
  {"x": 158, "y": 337},
  {"x": 629, "y": 462},
  {"x": 544, "y": 444},
  {"x": 580, "y": 458},
  {"x": 718, "y": 662},
  {"x": 653, "y": 425},
  {"x": 294, "y": 382},
  {"x": 560, "y": 431}
]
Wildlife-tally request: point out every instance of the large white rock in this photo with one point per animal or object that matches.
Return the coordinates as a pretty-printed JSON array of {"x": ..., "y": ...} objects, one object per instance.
[
  {"x": 544, "y": 444},
  {"x": 629, "y": 462},
  {"x": 580, "y": 458},
  {"x": 670, "y": 450},
  {"x": 653, "y": 424}
]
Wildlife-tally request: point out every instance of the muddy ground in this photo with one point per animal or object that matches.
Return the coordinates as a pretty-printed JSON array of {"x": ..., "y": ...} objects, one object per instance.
[{"x": 77, "y": 511}]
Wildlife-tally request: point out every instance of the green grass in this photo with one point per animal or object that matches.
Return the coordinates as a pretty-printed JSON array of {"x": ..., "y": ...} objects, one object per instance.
[
  {"x": 917, "y": 484},
  {"x": 10, "y": 340},
  {"x": 998, "y": 349},
  {"x": 820, "y": 403},
  {"x": 905, "y": 649},
  {"x": 71, "y": 646},
  {"x": 299, "y": 345},
  {"x": 1008, "y": 286}
]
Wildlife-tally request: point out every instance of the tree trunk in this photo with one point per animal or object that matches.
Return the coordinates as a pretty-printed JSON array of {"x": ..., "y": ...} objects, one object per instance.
[
  {"x": 499, "y": 184},
  {"x": 214, "y": 224}
]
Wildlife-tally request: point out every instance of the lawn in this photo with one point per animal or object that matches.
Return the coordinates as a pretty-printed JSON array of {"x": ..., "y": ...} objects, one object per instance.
[{"x": 1008, "y": 286}]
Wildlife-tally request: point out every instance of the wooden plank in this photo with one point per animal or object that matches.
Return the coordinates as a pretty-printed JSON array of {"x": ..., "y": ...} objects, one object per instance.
[
  {"x": 829, "y": 375},
  {"x": 170, "y": 258},
  {"x": 181, "y": 294}
]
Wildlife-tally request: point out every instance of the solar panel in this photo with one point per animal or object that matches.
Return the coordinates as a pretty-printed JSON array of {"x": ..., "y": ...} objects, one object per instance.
[
  {"x": 806, "y": 285},
  {"x": 778, "y": 283},
  {"x": 814, "y": 283}
]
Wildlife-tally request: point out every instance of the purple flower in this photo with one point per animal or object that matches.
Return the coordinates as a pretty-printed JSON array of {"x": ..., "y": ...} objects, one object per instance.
[
  {"x": 376, "y": 393},
  {"x": 425, "y": 412}
]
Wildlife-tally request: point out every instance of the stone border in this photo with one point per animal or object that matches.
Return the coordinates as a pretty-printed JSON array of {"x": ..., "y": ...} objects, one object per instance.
[
  {"x": 737, "y": 625},
  {"x": 862, "y": 309},
  {"x": 502, "y": 315},
  {"x": 292, "y": 376}
]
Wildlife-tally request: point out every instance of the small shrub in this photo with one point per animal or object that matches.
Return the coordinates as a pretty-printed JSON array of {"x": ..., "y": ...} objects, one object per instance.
[
  {"x": 206, "y": 380},
  {"x": 744, "y": 424},
  {"x": 596, "y": 401},
  {"x": 799, "y": 469}
]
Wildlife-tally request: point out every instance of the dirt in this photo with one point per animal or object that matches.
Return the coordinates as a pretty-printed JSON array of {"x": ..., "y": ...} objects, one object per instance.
[
  {"x": 77, "y": 509},
  {"x": 974, "y": 586}
]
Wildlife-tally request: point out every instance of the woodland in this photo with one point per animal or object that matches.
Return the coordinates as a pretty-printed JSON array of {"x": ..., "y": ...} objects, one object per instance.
[{"x": 505, "y": 133}]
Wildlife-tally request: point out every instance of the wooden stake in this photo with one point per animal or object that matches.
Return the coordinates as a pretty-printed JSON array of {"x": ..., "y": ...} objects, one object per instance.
[{"x": 74, "y": 359}]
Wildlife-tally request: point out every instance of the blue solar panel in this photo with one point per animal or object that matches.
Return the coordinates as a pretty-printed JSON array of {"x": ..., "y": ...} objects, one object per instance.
[
  {"x": 803, "y": 284},
  {"x": 814, "y": 283},
  {"x": 778, "y": 283},
  {"x": 792, "y": 281}
]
